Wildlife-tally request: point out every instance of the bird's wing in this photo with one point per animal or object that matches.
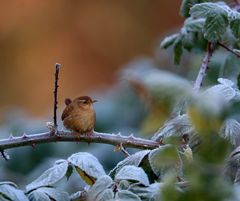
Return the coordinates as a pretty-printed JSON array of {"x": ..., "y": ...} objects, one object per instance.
[{"x": 67, "y": 111}]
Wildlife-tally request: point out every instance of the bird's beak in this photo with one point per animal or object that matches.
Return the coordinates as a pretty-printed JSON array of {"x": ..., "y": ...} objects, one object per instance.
[{"x": 94, "y": 101}]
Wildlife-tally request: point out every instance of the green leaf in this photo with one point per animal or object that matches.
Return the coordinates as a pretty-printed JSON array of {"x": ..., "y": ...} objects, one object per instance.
[
  {"x": 132, "y": 173},
  {"x": 216, "y": 15},
  {"x": 215, "y": 25},
  {"x": 185, "y": 8},
  {"x": 194, "y": 25},
  {"x": 125, "y": 195},
  {"x": 178, "y": 51},
  {"x": 178, "y": 126},
  {"x": 87, "y": 166},
  {"x": 50, "y": 176},
  {"x": 168, "y": 41},
  {"x": 231, "y": 131},
  {"x": 134, "y": 159},
  {"x": 203, "y": 10},
  {"x": 11, "y": 193},
  {"x": 99, "y": 186},
  {"x": 235, "y": 27},
  {"x": 165, "y": 158}
]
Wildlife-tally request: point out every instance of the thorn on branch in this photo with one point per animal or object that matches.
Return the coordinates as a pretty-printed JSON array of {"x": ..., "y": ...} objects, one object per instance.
[
  {"x": 57, "y": 68},
  {"x": 24, "y": 136},
  {"x": 5, "y": 155},
  {"x": 10, "y": 136}
]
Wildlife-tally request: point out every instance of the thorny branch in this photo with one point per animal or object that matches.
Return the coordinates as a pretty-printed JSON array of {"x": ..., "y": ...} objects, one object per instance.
[
  {"x": 94, "y": 137},
  {"x": 204, "y": 67}
]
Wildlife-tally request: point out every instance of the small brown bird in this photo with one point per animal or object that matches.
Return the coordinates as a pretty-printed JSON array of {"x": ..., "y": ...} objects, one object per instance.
[{"x": 79, "y": 114}]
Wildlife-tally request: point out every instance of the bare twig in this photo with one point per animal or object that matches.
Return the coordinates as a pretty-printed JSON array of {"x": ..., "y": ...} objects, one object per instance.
[
  {"x": 5, "y": 155},
  {"x": 57, "y": 68},
  {"x": 229, "y": 49},
  {"x": 60, "y": 136},
  {"x": 204, "y": 67},
  {"x": 124, "y": 150}
]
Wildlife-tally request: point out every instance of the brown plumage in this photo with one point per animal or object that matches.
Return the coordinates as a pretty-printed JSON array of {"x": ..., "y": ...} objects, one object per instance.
[{"x": 79, "y": 114}]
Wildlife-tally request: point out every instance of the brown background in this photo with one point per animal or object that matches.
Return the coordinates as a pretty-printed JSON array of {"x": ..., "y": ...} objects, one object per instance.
[{"x": 92, "y": 39}]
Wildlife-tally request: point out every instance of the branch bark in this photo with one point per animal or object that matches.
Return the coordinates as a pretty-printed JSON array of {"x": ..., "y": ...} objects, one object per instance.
[
  {"x": 61, "y": 136},
  {"x": 229, "y": 49},
  {"x": 204, "y": 67}
]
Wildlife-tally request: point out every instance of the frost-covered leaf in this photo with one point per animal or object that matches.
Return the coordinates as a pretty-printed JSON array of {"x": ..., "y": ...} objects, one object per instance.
[
  {"x": 231, "y": 131},
  {"x": 8, "y": 183},
  {"x": 168, "y": 41},
  {"x": 178, "y": 126},
  {"x": 165, "y": 158},
  {"x": 162, "y": 85},
  {"x": 125, "y": 195},
  {"x": 185, "y": 8},
  {"x": 99, "y": 186},
  {"x": 233, "y": 164},
  {"x": 151, "y": 192},
  {"x": 38, "y": 195},
  {"x": 134, "y": 159},
  {"x": 88, "y": 166},
  {"x": 216, "y": 15},
  {"x": 224, "y": 92},
  {"x": 50, "y": 176},
  {"x": 194, "y": 25},
  {"x": 204, "y": 9},
  {"x": 106, "y": 195},
  {"x": 215, "y": 26},
  {"x": 132, "y": 173},
  {"x": 11, "y": 193},
  {"x": 235, "y": 27},
  {"x": 58, "y": 195}
]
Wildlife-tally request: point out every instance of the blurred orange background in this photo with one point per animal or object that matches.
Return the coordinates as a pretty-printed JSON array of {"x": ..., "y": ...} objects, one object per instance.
[{"x": 91, "y": 39}]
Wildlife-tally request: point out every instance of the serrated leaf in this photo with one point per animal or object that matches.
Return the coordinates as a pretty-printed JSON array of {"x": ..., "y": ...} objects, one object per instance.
[
  {"x": 231, "y": 131},
  {"x": 185, "y": 8},
  {"x": 168, "y": 41},
  {"x": 50, "y": 176},
  {"x": 100, "y": 185},
  {"x": 194, "y": 25},
  {"x": 9, "y": 191},
  {"x": 216, "y": 15},
  {"x": 87, "y": 166},
  {"x": 165, "y": 158},
  {"x": 178, "y": 51},
  {"x": 38, "y": 195},
  {"x": 125, "y": 195},
  {"x": 151, "y": 192},
  {"x": 9, "y": 183},
  {"x": 106, "y": 195},
  {"x": 235, "y": 27},
  {"x": 132, "y": 173},
  {"x": 204, "y": 9},
  {"x": 178, "y": 126},
  {"x": 215, "y": 25},
  {"x": 55, "y": 194},
  {"x": 134, "y": 159}
]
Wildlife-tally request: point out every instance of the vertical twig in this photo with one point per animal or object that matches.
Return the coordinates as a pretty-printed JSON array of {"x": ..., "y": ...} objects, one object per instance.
[
  {"x": 57, "y": 68},
  {"x": 204, "y": 67}
]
